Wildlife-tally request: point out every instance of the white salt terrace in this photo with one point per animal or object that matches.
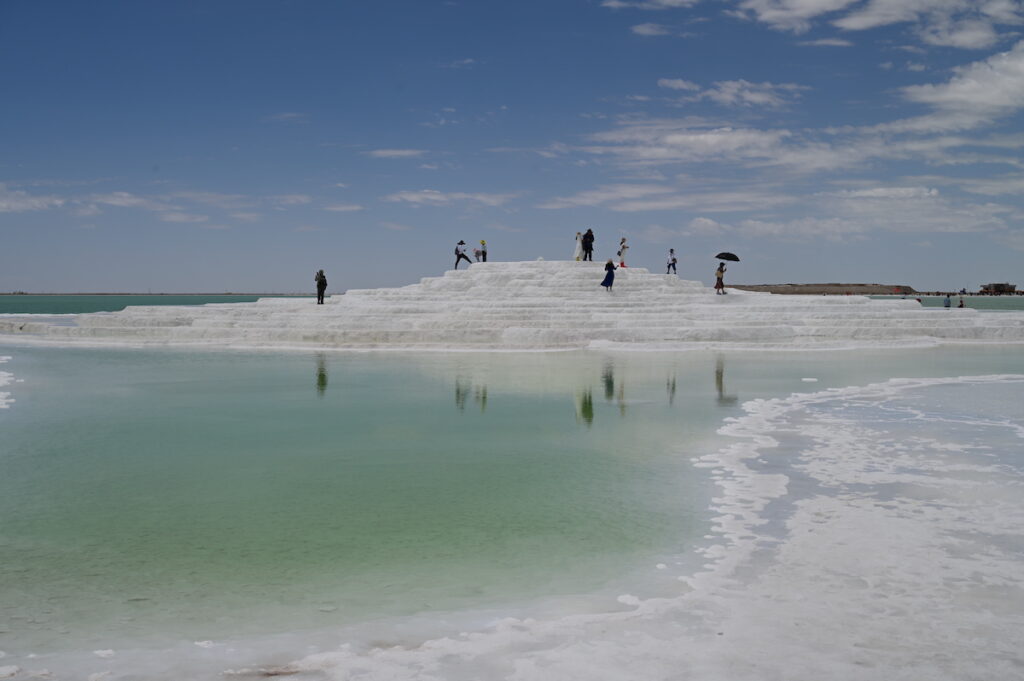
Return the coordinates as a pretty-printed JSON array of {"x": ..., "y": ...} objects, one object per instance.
[{"x": 532, "y": 306}]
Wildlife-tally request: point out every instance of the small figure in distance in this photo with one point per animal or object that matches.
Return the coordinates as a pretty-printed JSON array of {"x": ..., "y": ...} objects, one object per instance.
[
  {"x": 460, "y": 254},
  {"x": 609, "y": 276},
  {"x": 961, "y": 303},
  {"x": 577, "y": 253},
  {"x": 321, "y": 285},
  {"x": 719, "y": 284},
  {"x": 483, "y": 250},
  {"x": 622, "y": 252},
  {"x": 671, "y": 264},
  {"x": 588, "y": 245},
  {"x": 946, "y": 302},
  {"x": 476, "y": 254}
]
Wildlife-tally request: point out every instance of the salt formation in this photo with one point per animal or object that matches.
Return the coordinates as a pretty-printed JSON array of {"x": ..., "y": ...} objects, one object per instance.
[{"x": 530, "y": 306}]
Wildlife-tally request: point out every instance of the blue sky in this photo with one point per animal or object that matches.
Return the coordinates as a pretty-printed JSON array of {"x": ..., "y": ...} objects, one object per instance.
[{"x": 239, "y": 146}]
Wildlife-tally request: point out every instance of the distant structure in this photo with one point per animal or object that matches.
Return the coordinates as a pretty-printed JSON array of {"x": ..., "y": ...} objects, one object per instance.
[
  {"x": 998, "y": 288},
  {"x": 829, "y": 289}
]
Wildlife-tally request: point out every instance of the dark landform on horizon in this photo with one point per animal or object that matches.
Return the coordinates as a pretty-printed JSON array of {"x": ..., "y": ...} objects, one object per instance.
[{"x": 836, "y": 289}]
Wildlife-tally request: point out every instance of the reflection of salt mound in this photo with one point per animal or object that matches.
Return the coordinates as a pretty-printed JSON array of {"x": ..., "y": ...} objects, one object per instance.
[{"x": 537, "y": 305}]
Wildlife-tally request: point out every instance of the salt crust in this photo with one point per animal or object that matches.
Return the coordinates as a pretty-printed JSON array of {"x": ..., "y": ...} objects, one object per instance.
[
  {"x": 854, "y": 586},
  {"x": 541, "y": 305}
]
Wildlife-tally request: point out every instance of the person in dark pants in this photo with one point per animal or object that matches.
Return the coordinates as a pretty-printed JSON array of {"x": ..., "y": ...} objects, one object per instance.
[
  {"x": 719, "y": 276},
  {"x": 483, "y": 250},
  {"x": 588, "y": 245},
  {"x": 609, "y": 276},
  {"x": 460, "y": 254},
  {"x": 671, "y": 263},
  {"x": 321, "y": 285}
]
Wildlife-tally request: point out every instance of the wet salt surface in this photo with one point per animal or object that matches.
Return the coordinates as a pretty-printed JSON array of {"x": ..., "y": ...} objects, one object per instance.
[{"x": 859, "y": 533}]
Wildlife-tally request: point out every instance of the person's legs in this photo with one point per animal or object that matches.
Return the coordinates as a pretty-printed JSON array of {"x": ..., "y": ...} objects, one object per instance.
[{"x": 485, "y": 256}]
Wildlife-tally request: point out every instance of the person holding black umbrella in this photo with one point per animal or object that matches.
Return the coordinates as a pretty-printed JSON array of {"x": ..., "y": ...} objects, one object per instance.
[{"x": 719, "y": 284}]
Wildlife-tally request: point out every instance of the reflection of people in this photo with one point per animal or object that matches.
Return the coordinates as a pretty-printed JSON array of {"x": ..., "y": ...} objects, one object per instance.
[
  {"x": 609, "y": 277},
  {"x": 671, "y": 263},
  {"x": 460, "y": 254},
  {"x": 321, "y": 375},
  {"x": 585, "y": 407},
  {"x": 608, "y": 379},
  {"x": 670, "y": 386},
  {"x": 461, "y": 392},
  {"x": 719, "y": 283},
  {"x": 577, "y": 253},
  {"x": 588, "y": 245},
  {"x": 321, "y": 285},
  {"x": 723, "y": 399}
]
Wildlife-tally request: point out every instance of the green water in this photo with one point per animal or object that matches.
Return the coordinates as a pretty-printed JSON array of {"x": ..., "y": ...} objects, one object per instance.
[
  {"x": 80, "y": 304},
  {"x": 987, "y": 303},
  {"x": 154, "y": 496}
]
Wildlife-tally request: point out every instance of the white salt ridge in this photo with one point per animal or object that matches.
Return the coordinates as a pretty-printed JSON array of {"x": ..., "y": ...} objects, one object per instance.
[
  {"x": 539, "y": 305},
  {"x": 860, "y": 585},
  {"x": 5, "y": 397}
]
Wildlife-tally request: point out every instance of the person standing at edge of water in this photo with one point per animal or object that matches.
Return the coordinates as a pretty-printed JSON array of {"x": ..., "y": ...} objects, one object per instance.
[
  {"x": 609, "y": 277},
  {"x": 460, "y": 254},
  {"x": 622, "y": 252},
  {"x": 947, "y": 303},
  {"x": 719, "y": 283},
  {"x": 588, "y": 245},
  {"x": 483, "y": 250},
  {"x": 321, "y": 285},
  {"x": 577, "y": 253},
  {"x": 671, "y": 263}
]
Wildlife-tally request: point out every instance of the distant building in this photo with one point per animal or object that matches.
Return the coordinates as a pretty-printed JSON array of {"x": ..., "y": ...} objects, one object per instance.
[{"x": 998, "y": 288}]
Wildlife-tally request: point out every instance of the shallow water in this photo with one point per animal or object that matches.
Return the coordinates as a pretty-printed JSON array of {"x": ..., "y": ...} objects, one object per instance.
[
  {"x": 84, "y": 303},
  {"x": 269, "y": 502}
]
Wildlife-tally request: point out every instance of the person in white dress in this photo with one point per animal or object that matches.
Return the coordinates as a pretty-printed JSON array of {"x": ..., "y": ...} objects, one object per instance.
[
  {"x": 622, "y": 252},
  {"x": 577, "y": 253}
]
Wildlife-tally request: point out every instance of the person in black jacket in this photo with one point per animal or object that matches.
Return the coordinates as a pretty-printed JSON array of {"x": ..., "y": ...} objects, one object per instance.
[
  {"x": 588, "y": 245},
  {"x": 321, "y": 285}
]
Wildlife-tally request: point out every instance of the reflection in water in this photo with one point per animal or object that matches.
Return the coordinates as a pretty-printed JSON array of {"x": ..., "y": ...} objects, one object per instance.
[
  {"x": 321, "y": 374},
  {"x": 670, "y": 386},
  {"x": 723, "y": 399},
  {"x": 608, "y": 378},
  {"x": 585, "y": 406},
  {"x": 464, "y": 388}
]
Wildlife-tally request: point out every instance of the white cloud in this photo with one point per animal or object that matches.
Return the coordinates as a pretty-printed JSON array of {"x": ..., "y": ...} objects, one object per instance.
[
  {"x": 291, "y": 199},
  {"x": 16, "y": 201},
  {"x": 791, "y": 15},
  {"x": 677, "y": 84},
  {"x": 246, "y": 217},
  {"x": 651, "y": 29},
  {"x": 344, "y": 207},
  {"x": 827, "y": 42},
  {"x": 287, "y": 117},
  {"x": 649, "y": 4},
  {"x": 128, "y": 200},
  {"x": 182, "y": 217},
  {"x": 432, "y": 197},
  {"x": 605, "y": 194},
  {"x": 460, "y": 64},
  {"x": 396, "y": 153},
  {"x": 745, "y": 93}
]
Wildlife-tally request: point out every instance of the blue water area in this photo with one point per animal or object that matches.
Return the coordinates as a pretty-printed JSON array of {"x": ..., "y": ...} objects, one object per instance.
[
  {"x": 80, "y": 304},
  {"x": 987, "y": 303}
]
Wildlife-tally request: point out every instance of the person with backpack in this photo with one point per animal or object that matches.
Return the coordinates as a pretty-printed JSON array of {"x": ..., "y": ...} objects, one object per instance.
[
  {"x": 460, "y": 254},
  {"x": 671, "y": 264},
  {"x": 321, "y": 285}
]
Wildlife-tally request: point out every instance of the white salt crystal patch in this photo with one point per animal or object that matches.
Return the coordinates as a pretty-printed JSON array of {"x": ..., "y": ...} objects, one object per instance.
[
  {"x": 98, "y": 676},
  {"x": 9, "y": 671},
  {"x": 661, "y": 566},
  {"x": 103, "y": 653},
  {"x": 627, "y": 599},
  {"x": 809, "y": 380},
  {"x": 204, "y": 644}
]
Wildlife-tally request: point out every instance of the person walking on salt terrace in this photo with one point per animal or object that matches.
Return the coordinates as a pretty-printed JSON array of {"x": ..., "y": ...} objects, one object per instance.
[
  {"x": 622, "y": 252},
  {"x": 460, "y": 254},
  {"x": 719, "y": 284},
  {"x": 588, "y": 245},
  {"x": 483, "y": 250},
  {"x": 577, "y": 253},
  {"x": 609, "y": 275},
  {"x": 671, "y": 263},
  {"x": 321, "y": 285}
]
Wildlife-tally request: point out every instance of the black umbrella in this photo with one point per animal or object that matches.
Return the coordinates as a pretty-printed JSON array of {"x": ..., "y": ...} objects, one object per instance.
[{"x": 727, "y": 256}]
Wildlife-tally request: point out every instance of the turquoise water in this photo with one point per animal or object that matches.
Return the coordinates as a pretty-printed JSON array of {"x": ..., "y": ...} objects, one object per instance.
[
  {"x": 80, "y": 304},
  {"x": 988, "y": 303},
  {"x": 156, "y": 497}
]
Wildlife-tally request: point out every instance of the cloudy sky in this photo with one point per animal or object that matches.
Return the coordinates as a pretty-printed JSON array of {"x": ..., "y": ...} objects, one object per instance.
[{"x": 238, "y": 146}]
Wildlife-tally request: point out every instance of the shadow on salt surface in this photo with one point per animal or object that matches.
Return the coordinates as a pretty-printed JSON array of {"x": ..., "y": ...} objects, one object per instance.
[{"x": 859, "y": 588}]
